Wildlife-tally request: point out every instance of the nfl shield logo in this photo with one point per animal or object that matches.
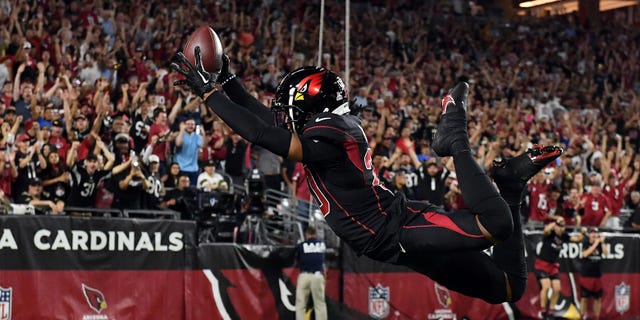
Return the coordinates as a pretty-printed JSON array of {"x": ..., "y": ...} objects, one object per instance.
[
  {"x": 5, "y": 303},
  {"x": 379, "y": 302},
  {"x": 623, "y": 292}
]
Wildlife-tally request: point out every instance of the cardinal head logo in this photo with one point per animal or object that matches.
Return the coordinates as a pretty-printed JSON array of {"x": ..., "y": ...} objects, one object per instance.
[{"x": 95, "y": 298}]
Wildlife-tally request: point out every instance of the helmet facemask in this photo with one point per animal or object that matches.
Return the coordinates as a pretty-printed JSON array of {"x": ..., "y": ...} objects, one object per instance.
[{"x": 288, "y": 115}]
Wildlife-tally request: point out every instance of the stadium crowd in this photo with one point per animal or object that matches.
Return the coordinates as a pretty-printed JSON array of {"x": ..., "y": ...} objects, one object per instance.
[{"x": 90, "y": 117}]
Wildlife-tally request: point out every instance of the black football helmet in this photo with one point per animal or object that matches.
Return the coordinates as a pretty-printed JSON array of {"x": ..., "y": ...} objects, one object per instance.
[{"x": 305, "y": 92}]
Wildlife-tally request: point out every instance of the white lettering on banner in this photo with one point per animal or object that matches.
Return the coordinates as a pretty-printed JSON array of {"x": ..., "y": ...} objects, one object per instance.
[
  {"x": 144, "y": 243},
  {"x": 126, "y": 239},
  {"x": 7, "y": 240},
  {"x": 618, "y": 248},
  {"x": 175, "y": 239},
  {"x": 98, "y": 240},
  {"x": 94, "y": 240},
  {"x": 318, "y": 247},
  {"x": 158, "y": 245},
  {"x": 95, "y": 317},
  {"x": 61, "y": 242},
  {"x": 574, "y": 250},
  {"x": 37, "y": 239},
  {"x": 79, "y": 240},
  {"x": 112, "y": 240}
]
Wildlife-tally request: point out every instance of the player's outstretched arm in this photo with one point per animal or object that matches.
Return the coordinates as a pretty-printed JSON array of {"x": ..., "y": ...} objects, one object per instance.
[
  {"x": 253, "y": 129},
  {"x": 247, "y": 124},
  {"x": 238, "y": 94}
]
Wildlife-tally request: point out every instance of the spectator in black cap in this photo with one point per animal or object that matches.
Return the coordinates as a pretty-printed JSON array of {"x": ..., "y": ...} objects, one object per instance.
[
  {"x": 122, "y": 147},
  {"x": 58, "y": 139},
  {"x": 430, "y": 184},
  {"x": 593, "y": 251},
  {"x": 210, "y": 180},
  {"x": 236, "y": 148},
  {"x": 547, "y": 263},
  {"x": 34, "y": 196}
]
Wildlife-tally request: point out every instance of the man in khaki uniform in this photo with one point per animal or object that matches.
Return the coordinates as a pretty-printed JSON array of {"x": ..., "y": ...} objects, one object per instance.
[{"x": 310, "y": 256}]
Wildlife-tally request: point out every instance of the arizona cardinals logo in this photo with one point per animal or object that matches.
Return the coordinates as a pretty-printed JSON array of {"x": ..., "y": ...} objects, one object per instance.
[
  {"x": 445, "y": 102},
  {"x": 444, "y": 297},
  {"x": 309, "y": 85},
  {"x": 95, "y": 298}
]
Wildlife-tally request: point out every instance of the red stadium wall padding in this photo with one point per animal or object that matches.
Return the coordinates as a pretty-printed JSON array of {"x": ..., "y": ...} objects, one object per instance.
[
  {"x": 528, "y": 305},
  {"x": 95, "y": 268},
  {"x": 244, "y": 294},
  {"x": 78, "y": 294},
  {"x": 413, "y": 296},
  {"x": 240, "y": 283}
]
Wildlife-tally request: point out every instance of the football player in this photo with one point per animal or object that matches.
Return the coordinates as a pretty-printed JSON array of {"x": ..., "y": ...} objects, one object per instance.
[{"x": 313, "y": 125}]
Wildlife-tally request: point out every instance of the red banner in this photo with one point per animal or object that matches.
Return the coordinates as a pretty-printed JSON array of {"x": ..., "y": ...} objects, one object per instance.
[
  {"x": 99, "y": 268},
  {"x": 84, "y": 294}
]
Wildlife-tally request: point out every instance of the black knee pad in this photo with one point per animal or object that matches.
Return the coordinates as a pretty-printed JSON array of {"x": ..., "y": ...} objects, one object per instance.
[{"x": 495, "y": 216}]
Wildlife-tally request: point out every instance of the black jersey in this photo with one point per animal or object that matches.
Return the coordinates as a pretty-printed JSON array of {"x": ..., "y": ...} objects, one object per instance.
[
  {"x": 140, "y": 132},
  {"x": 84, "y": 186},
  {"x": 551, "y": 246},
  {"x": 30, "y": 171},
  {"x": 25, "y": 198},
  {"x": 154, "y": 192},
  {"x": 591, "y": 264},
  {"x": 430, "y": 188},
  {"x": 341, "y": 176}
]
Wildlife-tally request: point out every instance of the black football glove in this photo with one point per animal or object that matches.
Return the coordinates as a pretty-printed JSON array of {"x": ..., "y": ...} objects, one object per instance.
[
  {"x": 197, "y": 79},
  {"x": 225, "y": 74}
]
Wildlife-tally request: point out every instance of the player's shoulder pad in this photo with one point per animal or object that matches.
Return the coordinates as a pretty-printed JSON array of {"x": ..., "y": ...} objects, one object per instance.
[
  {"x": 331, "y": 127},
  {"x": 324, "y": 120}
]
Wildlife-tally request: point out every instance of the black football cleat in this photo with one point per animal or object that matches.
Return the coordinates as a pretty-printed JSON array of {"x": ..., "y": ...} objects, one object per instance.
[
  {"x": 513, "y": 174},
  {"x": 451, "y": 136}
]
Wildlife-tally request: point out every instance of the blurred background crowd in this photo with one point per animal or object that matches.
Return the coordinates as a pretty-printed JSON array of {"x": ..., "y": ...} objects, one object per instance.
[{"x": 90, "y": 117}]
